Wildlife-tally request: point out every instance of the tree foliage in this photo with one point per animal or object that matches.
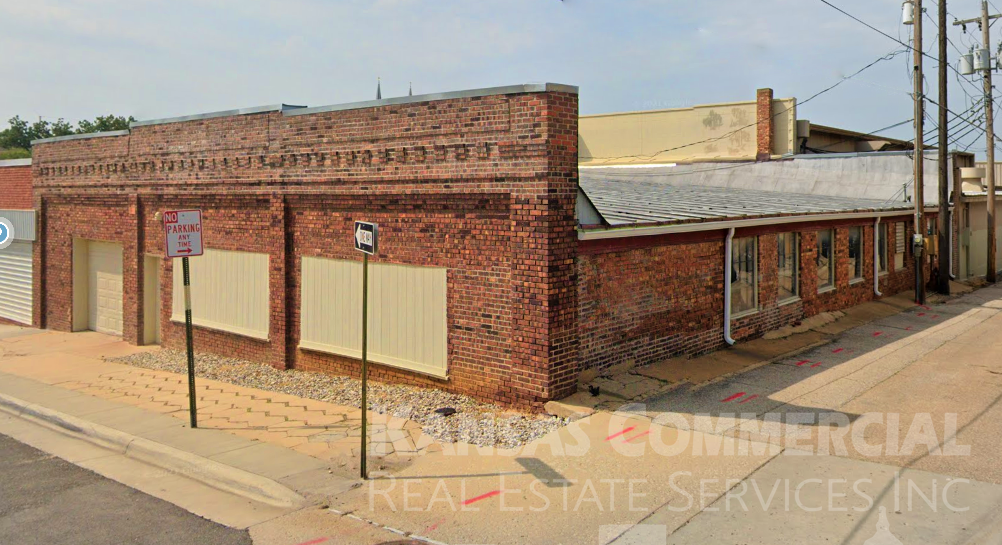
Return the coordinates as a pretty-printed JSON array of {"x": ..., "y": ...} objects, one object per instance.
[{"x": 17, "y": 137}]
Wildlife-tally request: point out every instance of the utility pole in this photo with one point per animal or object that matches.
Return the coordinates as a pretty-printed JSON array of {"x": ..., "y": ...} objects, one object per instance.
[
  {"x": 983, "y": 62},
  {"x": 943, "y": 219},
  {"x": 919, "y": 175},
  {"x": 990, "y": 148}
]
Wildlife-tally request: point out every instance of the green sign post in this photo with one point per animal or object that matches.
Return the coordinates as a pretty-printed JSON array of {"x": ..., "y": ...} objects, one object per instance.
[{"x": 367, "y": 242}]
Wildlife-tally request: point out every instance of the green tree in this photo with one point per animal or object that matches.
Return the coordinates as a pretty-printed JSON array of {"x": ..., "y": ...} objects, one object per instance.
[
  {"x": 17, "y": 137},
  {"x": 104, "y": 123}
]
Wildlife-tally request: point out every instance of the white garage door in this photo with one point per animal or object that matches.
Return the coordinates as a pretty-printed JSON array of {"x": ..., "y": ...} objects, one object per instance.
[
  {"x": 104, "y": 287},
  {"x": 15, "y": 282}
]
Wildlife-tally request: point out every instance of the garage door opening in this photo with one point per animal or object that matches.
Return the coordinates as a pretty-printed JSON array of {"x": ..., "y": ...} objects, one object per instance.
[{"x": 97, "y": 286}]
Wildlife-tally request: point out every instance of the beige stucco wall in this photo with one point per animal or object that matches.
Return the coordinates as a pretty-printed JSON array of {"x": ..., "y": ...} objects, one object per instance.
[{"x": 720, "y": 132}]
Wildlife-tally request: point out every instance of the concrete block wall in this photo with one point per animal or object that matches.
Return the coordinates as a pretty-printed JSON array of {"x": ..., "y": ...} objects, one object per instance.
[
  {"x": 483, "y": 184},
  {"x": 648, "y": 299}
]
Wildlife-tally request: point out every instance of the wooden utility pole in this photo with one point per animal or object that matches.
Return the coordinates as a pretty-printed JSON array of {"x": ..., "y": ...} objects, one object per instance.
[
  {"x": 943, "y": 219},
  {"x": 983, "y": 62},
  {"x": 990, "y": 151},
  {"x": 919, "y": 156}
]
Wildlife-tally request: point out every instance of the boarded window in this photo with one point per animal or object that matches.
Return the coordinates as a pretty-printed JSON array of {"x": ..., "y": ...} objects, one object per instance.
[
  {"x": 882, "y": 248},
  {"x": 856, "y": 259},
  {"x": 229, "y": 292},
  {"x": 826, "y": 260},
  {"x": 899, "y": 245},
  {"x": 789, "y": 266},
  {"x": 744, "y": 285},
  {"x": 407, "y": 313}
]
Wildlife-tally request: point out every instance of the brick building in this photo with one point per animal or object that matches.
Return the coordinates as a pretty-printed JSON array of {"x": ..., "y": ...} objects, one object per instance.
[
  {"x": 15, "y": 184},
  {"x": 497, "y": 275}
]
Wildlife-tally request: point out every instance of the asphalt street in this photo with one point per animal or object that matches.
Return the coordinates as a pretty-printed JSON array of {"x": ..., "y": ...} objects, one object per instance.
[{"x": 46, "y": 500}]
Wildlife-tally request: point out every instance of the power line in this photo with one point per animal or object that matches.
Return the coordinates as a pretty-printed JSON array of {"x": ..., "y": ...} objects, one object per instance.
[
  {"x": 888, "y": 56},
  {"x": 886, "y": 35}
]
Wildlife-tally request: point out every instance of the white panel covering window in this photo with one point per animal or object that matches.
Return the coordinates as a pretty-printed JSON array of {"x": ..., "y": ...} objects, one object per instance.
[
  {"x": 229, "y": 292},
  {"x": 407, "y": 313}
]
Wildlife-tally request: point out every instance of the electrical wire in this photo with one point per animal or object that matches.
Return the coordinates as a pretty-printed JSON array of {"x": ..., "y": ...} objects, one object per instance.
[{"x": 888, "y": 56}]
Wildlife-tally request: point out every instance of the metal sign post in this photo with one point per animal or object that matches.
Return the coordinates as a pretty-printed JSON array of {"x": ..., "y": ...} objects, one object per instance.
[
  {"x": 183, "y": 238},
  {"x": 367, "y": 242}
]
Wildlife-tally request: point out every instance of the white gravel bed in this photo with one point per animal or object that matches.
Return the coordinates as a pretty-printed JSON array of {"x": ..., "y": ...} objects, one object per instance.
[{"x": 475, "y": 422}]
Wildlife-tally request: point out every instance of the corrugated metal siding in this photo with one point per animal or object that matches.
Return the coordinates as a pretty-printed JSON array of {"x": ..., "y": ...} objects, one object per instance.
[
  {"x": 23, "y": 222},
  {"x": 407, "y": 313},
  {"x": 15, "y": 282},
  {"x": 229, "y": 292}
]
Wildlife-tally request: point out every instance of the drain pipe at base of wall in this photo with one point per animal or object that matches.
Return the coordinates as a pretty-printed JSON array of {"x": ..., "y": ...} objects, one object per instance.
[
  {"x": 876, "y": 259},
  {"x": 728, "y": 247}
]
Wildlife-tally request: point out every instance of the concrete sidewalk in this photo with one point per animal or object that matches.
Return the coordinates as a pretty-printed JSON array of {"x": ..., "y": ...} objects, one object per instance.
[{"x": 271, "y": 448}]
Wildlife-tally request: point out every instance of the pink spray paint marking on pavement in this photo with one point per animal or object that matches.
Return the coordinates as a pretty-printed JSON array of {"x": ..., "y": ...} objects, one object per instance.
[
  {"x": 909, "y": 328},
  {"x": 747, "y": 399},
  {"x": 837, "y": 350},
  {"x": 818, "y": 364},
  {"x": 803, "y": 362},
  {"x": 877, "y": 333},
  {"x": 617, "y": 434},
  {"x": 733, "y": 397},
  {"x": 637, "y": 436},
  {"x": 315, "y": 541},
  {"x": 921, "y": 314},
  {"x": 490, "y": 494},
  {"x": 434, "y": 526}
]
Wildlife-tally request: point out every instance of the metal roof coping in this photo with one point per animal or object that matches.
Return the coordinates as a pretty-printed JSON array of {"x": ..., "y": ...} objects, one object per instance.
[
  {"x": 212, "y": 115},
  {"x": 15, "y": 163},
  {"x": 84, "y": 136},
  {"x": 470, "y": 93}
]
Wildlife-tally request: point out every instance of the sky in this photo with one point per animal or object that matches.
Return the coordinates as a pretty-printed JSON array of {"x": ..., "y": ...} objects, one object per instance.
[{"x": 76, "y": 59}]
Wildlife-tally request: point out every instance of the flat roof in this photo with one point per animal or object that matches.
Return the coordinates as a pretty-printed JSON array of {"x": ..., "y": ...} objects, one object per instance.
[{"x": 626, "y": 203}]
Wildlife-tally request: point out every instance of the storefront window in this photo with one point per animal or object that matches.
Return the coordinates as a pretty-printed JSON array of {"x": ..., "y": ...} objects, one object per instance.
[
  {"x": 826, "y": 260},
  {"x": 789, "y": 266},
  {"x": 744, "y": 284}
]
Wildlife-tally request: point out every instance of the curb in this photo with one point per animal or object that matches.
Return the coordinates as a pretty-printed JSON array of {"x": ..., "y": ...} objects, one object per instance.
[{"x": 195, "y": 467}]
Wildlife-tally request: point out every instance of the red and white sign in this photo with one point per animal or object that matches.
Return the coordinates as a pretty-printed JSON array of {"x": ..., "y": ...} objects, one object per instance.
[{"x": 183, "y": 232}]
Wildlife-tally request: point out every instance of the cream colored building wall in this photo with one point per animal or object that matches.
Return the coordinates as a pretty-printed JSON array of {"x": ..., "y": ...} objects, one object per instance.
[
  {"x": 724, "y": 132},
  {"x": 229, "y": 292},
  {"x": 407, "y": 313},
  {"x": 975, "y": 256}
]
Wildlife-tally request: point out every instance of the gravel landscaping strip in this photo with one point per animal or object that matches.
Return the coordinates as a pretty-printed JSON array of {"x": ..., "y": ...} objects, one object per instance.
[{"x": 475, "y": 422}]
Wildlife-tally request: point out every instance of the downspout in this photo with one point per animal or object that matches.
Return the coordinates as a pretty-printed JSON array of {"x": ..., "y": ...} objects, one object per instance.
[
  {"x": 728, "y": 247},
  {"x": 949, "y": 241},
  {"x": 876, "y": 258}
]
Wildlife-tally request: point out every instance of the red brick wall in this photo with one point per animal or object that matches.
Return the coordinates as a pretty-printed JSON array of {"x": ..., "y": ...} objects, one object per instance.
[
  {"x": 484, "y": 186},
  {"x": 15, "y": 188},
  {"x": 647, "y": 302},
  {"x": 763, "y": 127}
]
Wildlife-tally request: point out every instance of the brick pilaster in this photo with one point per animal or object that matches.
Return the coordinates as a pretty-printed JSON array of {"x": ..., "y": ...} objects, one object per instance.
[
  {"x": 132, "y": 273},
  {"x": 38, "y": 265},
  {"x": 544, "y": 247}
]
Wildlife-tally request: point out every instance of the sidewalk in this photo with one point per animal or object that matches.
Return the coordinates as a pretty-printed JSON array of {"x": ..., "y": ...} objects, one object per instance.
[{"x": 269, "y": 447}]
